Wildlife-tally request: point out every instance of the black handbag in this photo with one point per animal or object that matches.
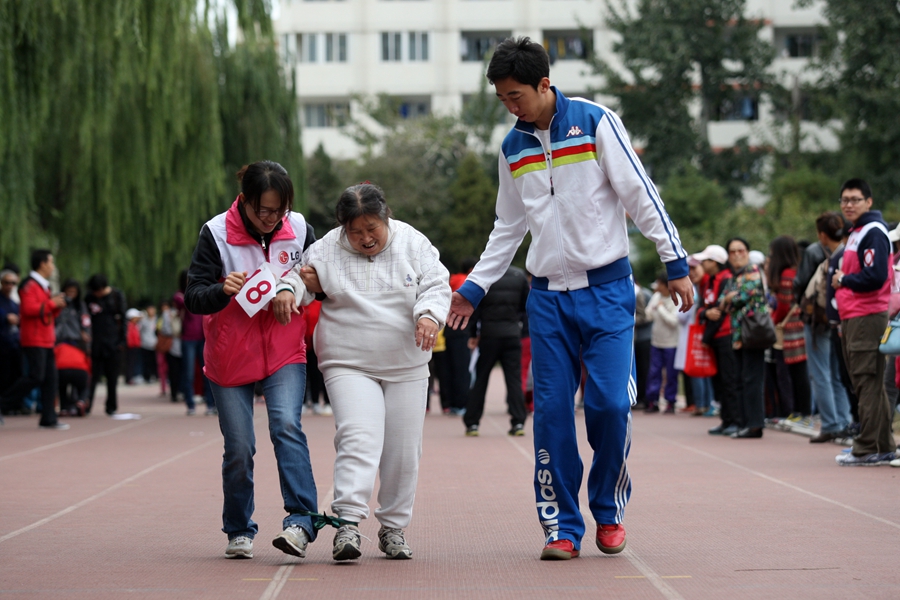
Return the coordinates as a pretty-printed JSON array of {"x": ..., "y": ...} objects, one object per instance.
[{"x": 757, "y": 331}]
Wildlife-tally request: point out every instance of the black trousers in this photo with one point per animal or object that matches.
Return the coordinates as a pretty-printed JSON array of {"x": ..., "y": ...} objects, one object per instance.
[
  {"x": 458, "y": 356},
  {"x": 440, "y": 361},
  {"x": 752, "y": 377},
  {"x": 41, "y": 373},
  {"x": 73, "y": 387},
  {"x": 315, "y": 381},
  {"x": 174, "y": 364},
  {"x": 726, "y": 386},
  {"x": 106, "y": 366},
  {"x": 508, "y": 351},
  {"x": 642, "y": 368}
]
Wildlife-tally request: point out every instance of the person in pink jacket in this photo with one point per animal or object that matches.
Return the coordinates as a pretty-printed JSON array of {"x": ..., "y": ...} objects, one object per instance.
[{"x": 258, "y": 231}]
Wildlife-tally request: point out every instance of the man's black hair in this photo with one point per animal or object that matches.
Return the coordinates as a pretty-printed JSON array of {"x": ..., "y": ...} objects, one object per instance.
[
  {"x": 857, "y": 184},
  {"x": 97, "y": 282},
  {"x": 525, "y": 61},
  {"x": 39, "y": 257}
]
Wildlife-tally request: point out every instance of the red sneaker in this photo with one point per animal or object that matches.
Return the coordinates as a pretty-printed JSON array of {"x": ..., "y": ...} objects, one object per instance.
[
  {"x": 559, "y": 550},
  {"x": 611, "y": 538}
]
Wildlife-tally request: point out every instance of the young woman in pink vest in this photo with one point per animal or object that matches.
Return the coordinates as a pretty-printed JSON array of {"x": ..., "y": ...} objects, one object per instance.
[{"x": 242, "y": 350}]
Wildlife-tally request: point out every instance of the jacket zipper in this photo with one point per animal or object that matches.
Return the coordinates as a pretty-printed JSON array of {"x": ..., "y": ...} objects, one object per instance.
[{"x": 559, "y": 241}]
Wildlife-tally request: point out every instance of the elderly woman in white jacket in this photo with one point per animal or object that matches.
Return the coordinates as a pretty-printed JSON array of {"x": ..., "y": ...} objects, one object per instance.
[{"x": 387, "y": 296}]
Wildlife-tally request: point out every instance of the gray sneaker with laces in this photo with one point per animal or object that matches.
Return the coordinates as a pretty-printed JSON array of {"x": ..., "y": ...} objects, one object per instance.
[
  {"x": 393, "y": 543},
  {"x": 346, "y": 543},
  {"x": 239, "y": 547},
  {"x": 292, "y": 540}
]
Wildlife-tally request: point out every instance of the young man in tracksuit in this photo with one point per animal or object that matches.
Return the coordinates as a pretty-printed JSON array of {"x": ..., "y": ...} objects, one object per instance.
[
  {"x": 568, "y": 175},
  {"x": 863, "y": 290}
]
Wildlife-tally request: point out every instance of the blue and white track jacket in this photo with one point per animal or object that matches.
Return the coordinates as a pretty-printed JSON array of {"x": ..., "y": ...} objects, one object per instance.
[{"x": 573, "y": 197}]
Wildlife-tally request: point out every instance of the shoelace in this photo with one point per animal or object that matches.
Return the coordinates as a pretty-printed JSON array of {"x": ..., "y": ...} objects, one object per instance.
[
  {"x": 393, "y": 537},
  {"x": 346, "y": 533}
]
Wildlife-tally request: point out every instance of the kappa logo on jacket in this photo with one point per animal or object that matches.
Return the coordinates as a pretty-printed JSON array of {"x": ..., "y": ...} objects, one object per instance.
[{"x": 575, "y": 130}]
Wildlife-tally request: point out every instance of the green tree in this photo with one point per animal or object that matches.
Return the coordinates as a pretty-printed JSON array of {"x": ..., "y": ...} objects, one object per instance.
[
  {"x": 325, "y": 188},
  {"x": 113, "y": 121},
  {"x": 675, "y": 54},
  {"x": 468, "y": 222},
  {"x": 860, "y": 83}
]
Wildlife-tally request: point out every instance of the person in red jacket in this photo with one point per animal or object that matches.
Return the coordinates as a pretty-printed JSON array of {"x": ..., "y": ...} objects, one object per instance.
[
  {"x": 259, "y": 231},
  {"x": 37, "y": 332}
]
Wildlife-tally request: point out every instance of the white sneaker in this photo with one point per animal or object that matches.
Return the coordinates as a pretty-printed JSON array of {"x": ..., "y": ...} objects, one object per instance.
[
  {"x": 393, "y": 543},
  {"x": 895, "y": 462},
  {"x": 292, "y": 540},
  {"x": 58, "y": 426},
  {"x": 239, "y": 547},
  {"x": 322, "y": 409},
  {"x": 346, "y": 543}
]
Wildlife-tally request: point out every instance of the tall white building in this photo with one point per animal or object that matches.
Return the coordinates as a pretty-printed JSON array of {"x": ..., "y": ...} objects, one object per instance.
[{"x": 429, "y": 54}]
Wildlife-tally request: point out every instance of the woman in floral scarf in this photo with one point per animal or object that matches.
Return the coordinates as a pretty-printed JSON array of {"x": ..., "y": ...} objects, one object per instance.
[{"x": 745, "y": 294}]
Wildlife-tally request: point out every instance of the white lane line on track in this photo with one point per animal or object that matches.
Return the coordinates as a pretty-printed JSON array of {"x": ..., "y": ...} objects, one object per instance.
[
  {"x": 778, "y": 481},
  {"x": 82, "y": 438},
  {"x": 107, "y": 491},
  {"x": 281, "y": 576},
  {"x": 652, "y": 576}
]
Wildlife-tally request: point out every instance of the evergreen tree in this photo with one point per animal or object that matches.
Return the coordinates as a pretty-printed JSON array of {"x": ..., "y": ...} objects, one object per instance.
[
  {"x": 677, "y": 54},
  {"x": 470, "y": 219},
  {"x": 324, "y": 190},
  {"x": 860, "y": 83}
]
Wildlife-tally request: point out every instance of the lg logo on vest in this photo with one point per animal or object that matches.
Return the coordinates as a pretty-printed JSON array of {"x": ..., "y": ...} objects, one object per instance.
[{"x": 284, "y": 257}]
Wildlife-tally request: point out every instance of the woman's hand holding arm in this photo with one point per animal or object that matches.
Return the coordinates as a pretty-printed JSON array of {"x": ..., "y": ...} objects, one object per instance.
[{"x": 426, "y": 333}]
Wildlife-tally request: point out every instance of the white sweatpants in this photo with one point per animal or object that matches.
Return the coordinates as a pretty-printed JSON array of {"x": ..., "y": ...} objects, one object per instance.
[{"x": 379, "y": 432}]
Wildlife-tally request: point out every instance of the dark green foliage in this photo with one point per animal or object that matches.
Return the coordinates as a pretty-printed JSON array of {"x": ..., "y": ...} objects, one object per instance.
[
  {"x": 675, "y": 52},
  {"x": 325, "y": 188},
  {"x": 121, "y": 120},
  {"x": 468, "y": 223},
  {"x": 860, "y": 85}
]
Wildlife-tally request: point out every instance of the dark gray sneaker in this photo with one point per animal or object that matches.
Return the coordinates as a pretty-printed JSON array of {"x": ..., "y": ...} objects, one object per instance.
[
  {"x": 292, "y": 540},
  {"x": 346, "y": 543},
  {"x": 393, "y": 543}
]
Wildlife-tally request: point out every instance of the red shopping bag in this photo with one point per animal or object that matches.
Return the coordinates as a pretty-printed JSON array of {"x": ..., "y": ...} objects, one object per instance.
[{"x": 700, "y": 360}]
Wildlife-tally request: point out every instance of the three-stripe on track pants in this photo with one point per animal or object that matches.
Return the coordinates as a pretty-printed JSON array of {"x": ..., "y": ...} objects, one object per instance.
[{"x": 595, "y": 324}]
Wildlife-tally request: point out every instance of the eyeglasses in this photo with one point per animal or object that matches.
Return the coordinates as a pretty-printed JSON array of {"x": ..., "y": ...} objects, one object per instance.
[
  {"x": 265, "y": 213},
  {"x": 855, "y": 200}
]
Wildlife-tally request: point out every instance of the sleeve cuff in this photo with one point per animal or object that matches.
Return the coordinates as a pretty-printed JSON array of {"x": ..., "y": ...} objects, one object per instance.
[
  {"x": 472, "y": 292},
  {"x": 677, "y": 269}
]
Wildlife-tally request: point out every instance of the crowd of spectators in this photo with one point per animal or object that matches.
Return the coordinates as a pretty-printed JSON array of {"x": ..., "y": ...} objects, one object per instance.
[{"x": 790, "y": 338}]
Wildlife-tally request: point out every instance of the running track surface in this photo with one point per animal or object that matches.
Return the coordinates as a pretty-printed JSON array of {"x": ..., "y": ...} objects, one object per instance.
[{"x": 112, "y": 509}]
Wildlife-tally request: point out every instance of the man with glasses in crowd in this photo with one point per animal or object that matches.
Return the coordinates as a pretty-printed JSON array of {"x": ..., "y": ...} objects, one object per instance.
[{"x": 862, "y": 290}]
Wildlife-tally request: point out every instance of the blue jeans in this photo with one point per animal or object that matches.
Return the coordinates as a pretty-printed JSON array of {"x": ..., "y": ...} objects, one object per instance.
[
  {"x": 828, "y": 392},
  {"x": 284, "y": 392},
  {"x": 193, "y": 351},
  {"x": 703, "y": 391}
]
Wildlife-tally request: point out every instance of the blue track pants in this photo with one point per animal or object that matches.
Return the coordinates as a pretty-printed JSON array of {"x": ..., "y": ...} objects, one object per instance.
[{"x": 595, "y": 324}]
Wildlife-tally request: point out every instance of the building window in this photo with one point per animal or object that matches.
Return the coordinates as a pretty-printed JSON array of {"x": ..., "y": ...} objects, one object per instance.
[
  {"x": 799, "y": 45},
  {"x": 474, "y": 45},
  {"x": 308, "y": 44},
  {"x": 568, "y": 45},
  {"x": 335, "y": 47},
  {"x": 741, "y": 108},
  {"x": 796, "y": 43},
  {"x": 418, "y": 46},
  {"x": 289, "y": 47},
  {"x": 391, "y": 46},
  {"x": 411, "y": 108},
  {"x": 333, "y": 114}
]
